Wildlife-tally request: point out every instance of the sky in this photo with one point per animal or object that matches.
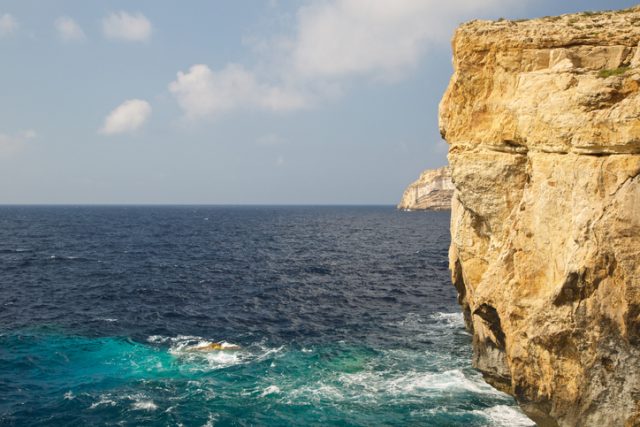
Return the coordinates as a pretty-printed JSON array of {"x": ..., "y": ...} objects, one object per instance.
[{"x": 229, "y": 102}]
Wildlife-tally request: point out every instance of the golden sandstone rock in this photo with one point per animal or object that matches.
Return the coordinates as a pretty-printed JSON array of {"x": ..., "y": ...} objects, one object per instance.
[
  {"x": 543, "y": 121},
  {"x": 213, "y": 346},
  {"x": 433, "y": 190}
]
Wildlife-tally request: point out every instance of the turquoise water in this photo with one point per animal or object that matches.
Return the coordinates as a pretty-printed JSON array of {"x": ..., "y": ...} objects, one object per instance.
[
  {"x": 65, "y": 378},
  {"x": 343, "y": 316}
]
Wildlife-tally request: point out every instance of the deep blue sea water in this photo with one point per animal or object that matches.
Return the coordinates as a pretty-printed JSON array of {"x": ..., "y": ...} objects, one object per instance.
[{"x": 343, "y": 315}]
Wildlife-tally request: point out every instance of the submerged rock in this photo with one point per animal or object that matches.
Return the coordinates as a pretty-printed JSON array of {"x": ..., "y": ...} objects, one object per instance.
[
  {"x": 213, "y": 346},
  {"x": 543, "y": 122},
  {"x": 431, "y": 191}
]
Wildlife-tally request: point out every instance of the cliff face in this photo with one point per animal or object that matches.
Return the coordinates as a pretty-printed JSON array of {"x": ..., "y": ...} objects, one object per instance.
[
  {"x": 433, "y": 190},
  {"x": 543, "y": 122}
]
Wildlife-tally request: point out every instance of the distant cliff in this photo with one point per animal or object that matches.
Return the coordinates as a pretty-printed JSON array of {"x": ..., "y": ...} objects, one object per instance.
[
  {"x": 543, "y": 122},
  {"x": 431, "y": 191}
]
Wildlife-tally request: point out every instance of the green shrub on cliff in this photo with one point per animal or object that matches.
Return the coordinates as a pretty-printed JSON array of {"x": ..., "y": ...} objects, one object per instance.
[{"x": 603, "y": 74}]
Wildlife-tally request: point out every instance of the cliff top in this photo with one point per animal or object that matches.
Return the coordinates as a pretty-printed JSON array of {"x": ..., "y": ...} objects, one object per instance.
[
  {"x": 561, "y": 84},
  {"x": 617, "y": 27},
  {"x": 429, "y": 174}
]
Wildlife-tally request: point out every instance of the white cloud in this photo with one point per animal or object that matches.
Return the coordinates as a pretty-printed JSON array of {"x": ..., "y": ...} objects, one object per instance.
[
  {"x": 333, "y": 42},
  {"x": 127, "y": 27},
  {"x": 11, "y": 144},
  {"x": 8, "y": 24},
  {"x": 69, "y": 30},
  {"x": 127, "y": 117},
  {"x": 201, "y": 92},
  {"x": 379, "y": 37}
]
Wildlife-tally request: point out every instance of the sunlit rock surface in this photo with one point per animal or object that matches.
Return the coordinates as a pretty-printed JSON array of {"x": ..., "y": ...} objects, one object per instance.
[
  {"x": 431, "y": 191},
  {"x": 543, "y": 121}
]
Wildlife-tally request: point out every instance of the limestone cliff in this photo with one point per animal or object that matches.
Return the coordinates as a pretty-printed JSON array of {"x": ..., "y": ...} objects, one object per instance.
[
  {"x": 431, "y": 191},
  {"x": 543, "y": 122}
]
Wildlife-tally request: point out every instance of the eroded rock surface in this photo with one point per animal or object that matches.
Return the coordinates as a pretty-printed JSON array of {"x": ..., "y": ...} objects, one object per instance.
[
  {"x": 543, "y": 122},
  {"x": 433, "y": 190}
]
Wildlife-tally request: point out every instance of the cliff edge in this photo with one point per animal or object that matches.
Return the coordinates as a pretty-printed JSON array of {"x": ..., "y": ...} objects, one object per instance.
[
  {"x": 543, "y": 121},
  {"x": 433, "y": 190}
]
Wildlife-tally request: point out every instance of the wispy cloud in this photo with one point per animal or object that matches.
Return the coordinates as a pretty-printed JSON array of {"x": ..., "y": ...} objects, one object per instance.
[
  {"x": 8, "y": 24},
  {"x": 127, "y": 117},
  {"x": 69, "y": 30},
  {"x": 124, "y": 26},
  {"x": 12, "y": 144}
]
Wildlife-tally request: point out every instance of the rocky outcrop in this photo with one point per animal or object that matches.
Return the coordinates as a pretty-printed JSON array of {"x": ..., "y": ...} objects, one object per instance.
[
  {"x": 543, "y": 122},
  {"x": 433, "y": 190}
]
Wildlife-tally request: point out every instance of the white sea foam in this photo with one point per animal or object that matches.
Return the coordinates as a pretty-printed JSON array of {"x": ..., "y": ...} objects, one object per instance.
[
  {"x": 496, "y": 416},
  {"x": 270, "y": 390},
  {"x": 415, "y": 321},
  {"x": 156, "y": 339},
  {"x": 199, "y": 348},
  {"x": 210, "y": 421},
  {"x": 144, "y": 405},
  {"x": 195, "y": 352},
  {"x": 69, "y": 395},
  {"x": 416, "y": 383},
  {"x": 221, "y": 359},
  {"x": 62, "y": 257},
  {"x": 450, "y": 319},
  {"x": 104, "y": 400},
  {"x": 269, "y": 352},
  {"x": 411, "y": 322},
  {"x": 372, "y": 385},
  {"x": 316, "y": 393},
  {"x": 453, "y": 380},
  {"x": 430, "y": 411},
  {"x": 506, "y": 416},
  {"x": 184, "y": 341}
]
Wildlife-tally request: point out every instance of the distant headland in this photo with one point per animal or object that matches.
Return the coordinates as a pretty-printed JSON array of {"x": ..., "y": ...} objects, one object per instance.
[{"x": 431, "y": 191}]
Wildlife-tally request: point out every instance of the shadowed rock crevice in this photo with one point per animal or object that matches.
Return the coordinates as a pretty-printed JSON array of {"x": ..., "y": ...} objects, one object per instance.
[
  {"x": 458, "y": 282},
  {"x": 579, "y": 286},
  {"x": 490, "y": 316}
]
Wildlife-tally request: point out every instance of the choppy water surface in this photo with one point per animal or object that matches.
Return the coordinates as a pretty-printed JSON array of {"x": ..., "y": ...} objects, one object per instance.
[{"x": 343, "y": 315}]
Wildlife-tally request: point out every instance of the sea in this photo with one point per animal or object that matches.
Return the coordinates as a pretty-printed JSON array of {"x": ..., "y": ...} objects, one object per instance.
[{"x": 319, "y": 316}]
